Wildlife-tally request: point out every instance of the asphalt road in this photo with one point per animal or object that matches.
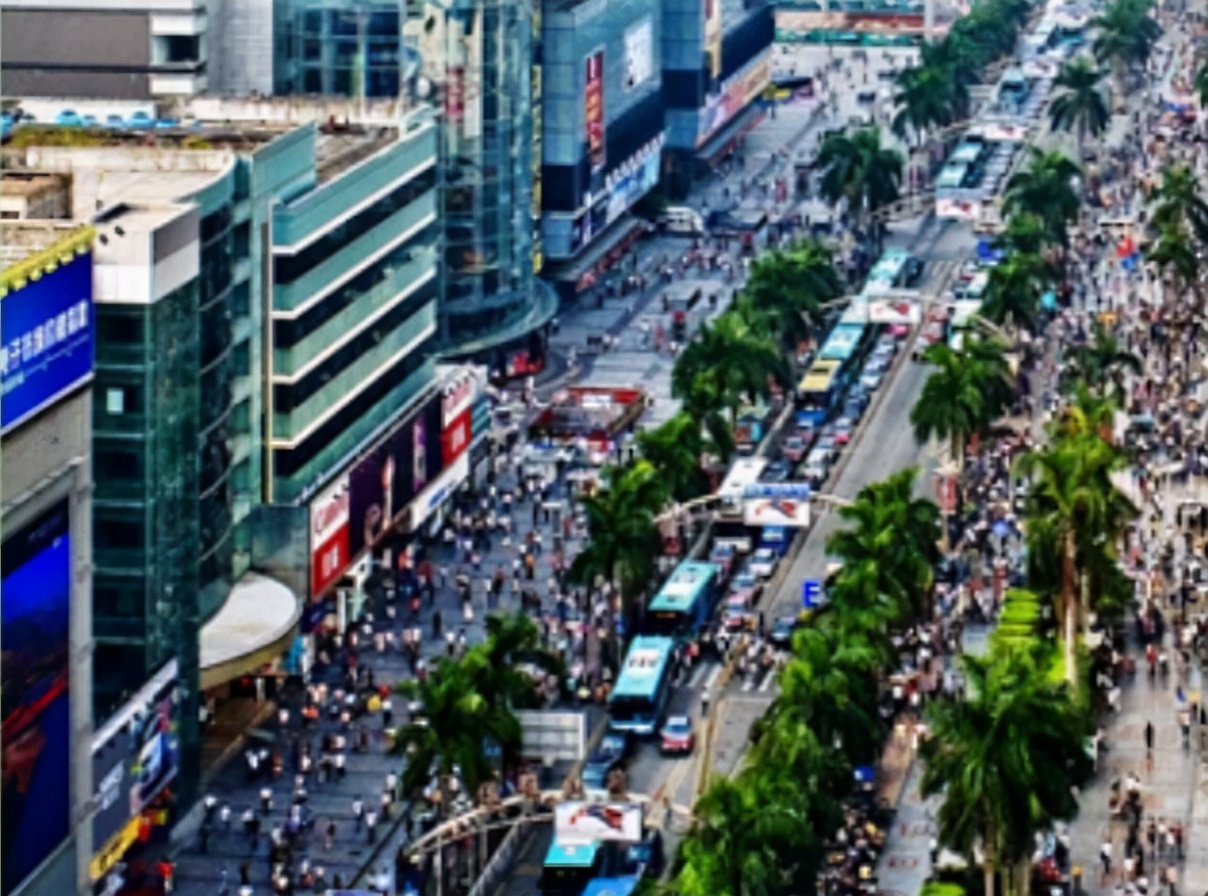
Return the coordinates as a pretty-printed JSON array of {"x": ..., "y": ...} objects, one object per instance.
[{"x": 883, "y": 445}]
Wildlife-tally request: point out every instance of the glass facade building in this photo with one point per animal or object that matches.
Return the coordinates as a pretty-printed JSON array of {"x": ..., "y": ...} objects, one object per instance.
[
  {"x": 339, "y": 47},
  {"x": 603, "y": 116}
]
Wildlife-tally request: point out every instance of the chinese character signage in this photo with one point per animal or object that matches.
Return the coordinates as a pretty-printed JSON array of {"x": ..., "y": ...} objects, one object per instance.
[
  {"x": 329, "y": 541},
  {"x": 46, "y": 332},
  {"x": 593, "y": 110}
]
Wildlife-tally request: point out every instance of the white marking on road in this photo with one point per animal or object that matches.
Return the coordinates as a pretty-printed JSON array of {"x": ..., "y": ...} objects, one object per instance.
[
  {"x": 697, "y": 674},
  {"x": 748, "y": 684},
  {"x": 712, "y": 679},
  {"x": 768, "y": 680}
]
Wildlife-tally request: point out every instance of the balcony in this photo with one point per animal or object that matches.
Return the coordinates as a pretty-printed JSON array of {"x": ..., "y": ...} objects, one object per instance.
[
  {"x": 331, "y": 273},
  {"x": 342, "y": 388},
  {"x": 399, "y": 285},
  {"x": 305, "y": 217}
]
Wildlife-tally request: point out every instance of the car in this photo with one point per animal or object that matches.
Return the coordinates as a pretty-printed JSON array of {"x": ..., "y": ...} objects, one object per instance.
[
  {"x": 886, "y": 345},
  {"x": 677, "y": 737},
  {"x": 737, "y": 615},
  {"x": 871, "y": 379},
  {"x": 794, "y": 448},
  {"x": 843, "y": 429},
  {"x": 781, "y": 632},
  {"x": 827, "y": 447},
  {"x": 898, "y": 331},
  {"x": 877, "y": 363},
  {"x": 856, "y": 405},
  {"x": 745, "y": 585},
  {"x": 912, "y": 271},
  {"x": 612, "y": 753},
  {"x": 777, "y": 470},
  {"x": 815, "y": 474},
  {"x": 763, "y": 562},
  {"x": 723, "y": 555},
  {"x": 933, "y": 331}
]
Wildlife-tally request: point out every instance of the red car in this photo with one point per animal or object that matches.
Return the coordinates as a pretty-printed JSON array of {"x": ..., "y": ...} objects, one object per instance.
[{"x": 677, "y": 736}]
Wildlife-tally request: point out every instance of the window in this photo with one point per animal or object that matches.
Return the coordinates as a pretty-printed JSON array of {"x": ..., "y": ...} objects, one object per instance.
[
  {"x": 123, "y": 399},
  {"x": 288, "y": 268},
  {"x": 112, "y": 601},
  {"x": 117, "y": 532},
  {"x": 115, "y": 401},
  {"x": 118, "y": 325},
  {"x": 117, "y": 464}
]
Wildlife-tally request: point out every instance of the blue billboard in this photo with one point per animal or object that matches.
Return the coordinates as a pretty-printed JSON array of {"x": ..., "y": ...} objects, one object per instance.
[
  {"x": 46, "y": 339},
  {"x": 35, "y": 717}
]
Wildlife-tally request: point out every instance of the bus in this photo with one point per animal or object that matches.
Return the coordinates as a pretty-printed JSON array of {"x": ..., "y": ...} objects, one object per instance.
[
  {"x": 639, "y": 698},
  {"x": 820, "y": 392},
  {"x": 685, "y": 603},
  {"x": 570, "y": 867},
  {"x": 890, "y": 272}
]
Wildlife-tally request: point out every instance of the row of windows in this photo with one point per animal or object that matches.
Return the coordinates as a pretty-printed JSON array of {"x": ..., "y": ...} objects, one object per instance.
[
  {"x": 288, "y": 268},
  {"x": 287, "y": 333},
  {"x": 287, "y": 397},
  {"x": 290, "y": 463}
]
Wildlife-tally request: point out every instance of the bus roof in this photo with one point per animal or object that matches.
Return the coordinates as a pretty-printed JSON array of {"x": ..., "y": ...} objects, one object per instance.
[
  {"x": 680, "y": 590},
  {"x": 856, "y": 312},
  {"x": 572, "y": 855},
  {"x": 612, "y": 886},
  {"x": 745, "y": 471},
  {"x": 819, "y": 377},
  {"x": 841, "y": 342},
  {"x": 885, "y": 272},
  {"x": 644, "y": 664}
]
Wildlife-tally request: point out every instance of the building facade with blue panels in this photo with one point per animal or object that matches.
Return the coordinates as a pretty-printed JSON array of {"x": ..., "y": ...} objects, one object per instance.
[{"x": 603, "y": 116}]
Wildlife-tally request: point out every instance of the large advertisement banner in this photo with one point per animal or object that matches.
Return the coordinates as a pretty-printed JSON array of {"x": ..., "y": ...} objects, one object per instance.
[
  {"x": 593, "y": 110},
  {"x": 35, "y": 580},
  {"x": 46, "y": 341},
  {"x": 329, "y": 555},
  {"x": 134, "y": 757},
  {"x": 576, "y": 822},
  {"x": 735, "y": 94},
  {"x": 385, "y": 480}
]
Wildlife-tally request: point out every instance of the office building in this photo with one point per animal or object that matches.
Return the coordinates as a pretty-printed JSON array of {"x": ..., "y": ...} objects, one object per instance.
[
  {"x": 266, "y": 294},
  {"x": 716, "y": 65},
  {"x": 115, "y": 49},
  {"x": 603, "y": 131},
  {"x": 47, "y": 328}
]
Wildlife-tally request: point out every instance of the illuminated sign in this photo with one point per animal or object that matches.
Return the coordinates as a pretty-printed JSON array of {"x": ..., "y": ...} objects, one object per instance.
[
  {"x": 736, "y": 93},
  {"x": 329, "y": 518},
  {"x": 593, "y": 109}
]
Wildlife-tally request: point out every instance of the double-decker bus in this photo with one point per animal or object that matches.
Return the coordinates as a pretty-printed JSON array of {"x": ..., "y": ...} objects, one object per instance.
[
  {"x": 639, "y": 698},
  {"x": 685, "y": 603}
]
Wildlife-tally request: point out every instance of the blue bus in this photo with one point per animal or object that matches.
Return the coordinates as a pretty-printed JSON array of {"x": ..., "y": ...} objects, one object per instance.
[
  {"x": 639, "y": 698},
  {"x": 820, "y": 392},
  {"x": 569, "y": 868},
  {"x": 685, "y": 603},
  {"x": 890, "y": 272}
]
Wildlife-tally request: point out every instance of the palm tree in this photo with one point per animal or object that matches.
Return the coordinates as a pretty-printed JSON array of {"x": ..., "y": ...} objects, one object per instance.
[
  {"x": 1125, "y": 35},
  {"x": 892, "y": 532},
  {"x": 1174, "y": 254},
  {"x": 729, "y": 362},
  {"x": 1080, "y": 106},
  {"x": 929, "y": 96},
  {"x": 623, "y": 537},
  {"x": 1178, "y": 201},
  {"x": 1201, "y": 83},
  {"x": 740, "y": 841},
  {"x": 1045, "y": 189},
  {"x": 1006, "y": 760},
  {"x": 1103, "y": 361},
  {"x": 1073, "y": 505},
  {"x": 1013, "y": 291},
  {"x": 449, "y": 741},
  {"x": 512, "y": 643},
  {"x": 965, "y": 393},
  {"x": 675, "y": 449},
  {"x": 790, "y": 286},
  {"x": 860, "y": 169},
  {"x": 1025, "y": 234}
]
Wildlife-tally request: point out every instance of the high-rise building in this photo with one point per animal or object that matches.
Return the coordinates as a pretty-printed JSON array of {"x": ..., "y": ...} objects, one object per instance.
[
  {"x": 47, "y": 333},
  {"x": 120, "y": 50},
  {"x": 602, "y": 135},
  {"x": 266, "y": 311},
  {"x": 717, "y": 64}
]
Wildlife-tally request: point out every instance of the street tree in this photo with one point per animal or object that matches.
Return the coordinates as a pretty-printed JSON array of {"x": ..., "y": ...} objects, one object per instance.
[
  {"x": 1046, "y": 189},
  {"x": 1006, "y": 760},
  {"x": 1080, "y": 105},
  {"x": 1125, "y": 35},
  {"x": 789, "y": 286},
  {"x": 676, "y": 449},
  {"x": 1101, "y": 363},
  {"x": 859, "y": 168},
  {"x": 1179, "y": 201},
  {"x": 967, "y": 391},
  {"x": 1014, "y": 288}
]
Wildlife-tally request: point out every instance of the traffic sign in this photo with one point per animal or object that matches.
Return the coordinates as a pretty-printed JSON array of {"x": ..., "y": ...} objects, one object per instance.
[{"x": 811, "y": 590}]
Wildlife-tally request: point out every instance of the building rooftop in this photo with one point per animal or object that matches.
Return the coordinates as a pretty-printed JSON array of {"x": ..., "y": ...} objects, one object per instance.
[{"x": 20, "y": 239}]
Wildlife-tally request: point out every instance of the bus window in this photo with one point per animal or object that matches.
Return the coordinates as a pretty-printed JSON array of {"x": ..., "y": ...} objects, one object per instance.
[
  {"x": 569, "y": 868},
  {"x": 639, "y": 698},
  {"x": 685, "y": 603}
]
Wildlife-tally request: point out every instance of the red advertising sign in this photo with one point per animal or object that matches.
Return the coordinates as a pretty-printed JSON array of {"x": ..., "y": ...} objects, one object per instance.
[
  {"x": 455, "y": 438},
  {"x": 593, "y": 109},
  {"x": 455, "y": 95},
  {"x": 329, "y": 554},
  {"x": 458, "y": 396}
]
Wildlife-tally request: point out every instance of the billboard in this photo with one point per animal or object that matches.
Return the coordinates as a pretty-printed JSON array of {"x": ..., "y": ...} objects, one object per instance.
[
  {"x": 713, "y": 32},
  {"x": 578, "y": 822},
  {"x": 593, "y": 110},
  {"x": 733, "y": 95},
  {"x": 135, "y": 755},
  {"x": 329, "y": 555},
  {"x": 455, "y": 438},
  {"x": 784, "y": 504},
  {"x": 384, "y": 480},
  {"x": 639, "y": 53},
  {"x": 894, "y": 312},
  {"x": 633, "y": 179},
  {"x": 46, "y": 341},
  {"x": 35, "y": 580}
]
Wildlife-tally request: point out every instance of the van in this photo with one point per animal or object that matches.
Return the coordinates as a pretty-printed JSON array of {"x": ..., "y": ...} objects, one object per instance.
[{"x": 681, "y": 219}]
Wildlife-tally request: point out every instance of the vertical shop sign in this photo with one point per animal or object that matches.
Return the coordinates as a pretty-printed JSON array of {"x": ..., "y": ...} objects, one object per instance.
[{"x": 593, "y": 110}]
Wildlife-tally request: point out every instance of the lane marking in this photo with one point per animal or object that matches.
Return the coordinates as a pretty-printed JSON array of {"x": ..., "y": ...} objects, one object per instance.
[{"x": 712, "y": 679}]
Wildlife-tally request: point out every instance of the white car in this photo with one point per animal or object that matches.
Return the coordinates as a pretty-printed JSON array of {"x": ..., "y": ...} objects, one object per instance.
[{"x": 763, "y": 563}]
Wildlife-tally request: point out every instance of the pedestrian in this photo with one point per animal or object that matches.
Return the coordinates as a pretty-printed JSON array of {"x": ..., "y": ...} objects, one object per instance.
[
  {"x": 371, "y": 819},
  {"x": 1105, "y": 858},
  {"x": 266, "y": 801},
  {"x": 704, "y": 703},
  {"x": 358, "y": 814},
  {"x": 329, "y": 835}
]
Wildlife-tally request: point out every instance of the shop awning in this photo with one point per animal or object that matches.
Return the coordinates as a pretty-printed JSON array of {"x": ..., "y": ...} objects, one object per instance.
[
  {"x": 254, "y": 626},
  {"x": 620, "y": 232},
  {"x": 721, "y": 143}
]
